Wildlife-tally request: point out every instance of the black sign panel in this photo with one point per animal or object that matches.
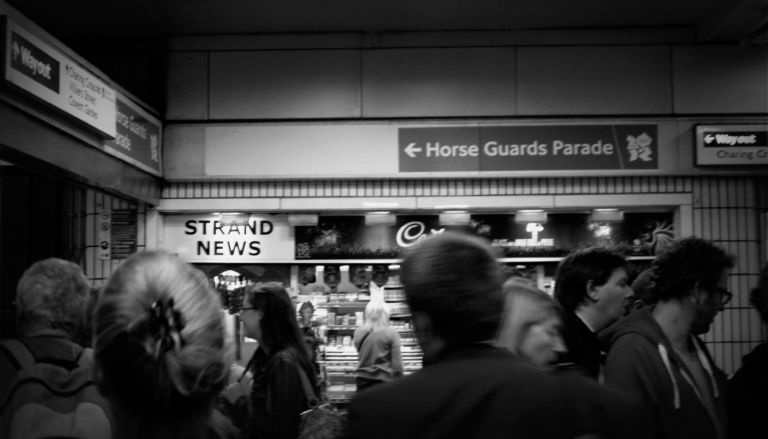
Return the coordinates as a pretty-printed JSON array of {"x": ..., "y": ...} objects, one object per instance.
[
  {"x": 528, "y": 148},
  {"x": 734, "y": 138},
  {"x": 34, "y": 63}
]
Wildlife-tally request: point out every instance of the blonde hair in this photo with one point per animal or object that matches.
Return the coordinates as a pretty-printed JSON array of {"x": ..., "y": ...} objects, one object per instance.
[
  {"x": 525, "y": 306},
  {"x": 376, "y": 314},
  {"x": 160, "y": 376}
]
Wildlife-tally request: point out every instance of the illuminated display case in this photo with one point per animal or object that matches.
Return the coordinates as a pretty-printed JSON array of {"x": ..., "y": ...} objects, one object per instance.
[{"x": 342, "y": 262}]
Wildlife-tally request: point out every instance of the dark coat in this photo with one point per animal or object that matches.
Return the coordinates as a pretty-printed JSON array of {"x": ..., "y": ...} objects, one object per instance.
[
  {"x": 642, "y": 361},
  {"x": 748, "y": 396},
  {"x": 277, "y": 395},
  {"x": 485, "y": 392},
  {"x": 584, "y": 353}
]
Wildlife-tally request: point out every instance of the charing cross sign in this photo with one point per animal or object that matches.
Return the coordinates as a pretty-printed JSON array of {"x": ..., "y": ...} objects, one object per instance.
[{"x": 528, "y": 148}]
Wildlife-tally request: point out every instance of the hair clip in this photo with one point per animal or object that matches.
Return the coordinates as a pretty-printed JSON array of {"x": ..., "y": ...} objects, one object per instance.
[{"x": 165, "y": 323}]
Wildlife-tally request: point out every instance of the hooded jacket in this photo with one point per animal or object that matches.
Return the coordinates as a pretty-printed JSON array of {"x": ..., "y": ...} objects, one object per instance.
[
  {"x": 642, "y": 361},
  {"x": 748, "y": 396}
]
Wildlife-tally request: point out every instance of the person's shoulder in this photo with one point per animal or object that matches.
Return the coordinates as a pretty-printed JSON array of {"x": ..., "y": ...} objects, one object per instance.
[
  {"x": 285, "y": 356},
  {"x": 390, "y": 331}
]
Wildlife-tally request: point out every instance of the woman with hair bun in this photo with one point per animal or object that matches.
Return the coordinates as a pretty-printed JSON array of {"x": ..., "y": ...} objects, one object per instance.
[
  {"x": 159, "y": 347},
  {"x": 278, "y": 395}
]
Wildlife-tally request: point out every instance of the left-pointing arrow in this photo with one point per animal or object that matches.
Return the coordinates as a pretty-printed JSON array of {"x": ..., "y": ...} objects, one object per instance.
[
  {"x": 15, "y": 49},
  {"x": 411, "y": 150}
]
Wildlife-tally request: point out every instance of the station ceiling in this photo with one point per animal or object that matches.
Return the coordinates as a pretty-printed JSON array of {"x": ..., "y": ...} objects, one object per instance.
[{"x": 142, "y": 20}]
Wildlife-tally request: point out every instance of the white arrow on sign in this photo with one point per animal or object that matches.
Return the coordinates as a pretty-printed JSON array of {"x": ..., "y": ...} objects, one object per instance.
[
  {"x": 709, "y": 138},
  {"x": 15, "y": 50},
  {"x": 411, "y": 150}
]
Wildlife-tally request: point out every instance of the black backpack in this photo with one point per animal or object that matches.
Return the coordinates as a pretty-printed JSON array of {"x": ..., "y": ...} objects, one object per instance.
[{"x": 52, "y": 398}]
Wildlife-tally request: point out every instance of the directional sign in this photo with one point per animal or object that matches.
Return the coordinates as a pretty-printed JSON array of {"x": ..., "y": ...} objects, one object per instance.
[
  {"x": 39, "y": 69},
  {"x": 732, "y": 145},
  {"x": 138, "y": 137},
  {"x": 525, "y": 148}
]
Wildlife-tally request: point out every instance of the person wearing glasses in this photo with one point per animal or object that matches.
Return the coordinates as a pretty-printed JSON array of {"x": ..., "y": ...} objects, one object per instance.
[
  {"x": 277, "y": 394},
  {"x": 657, "y": 354}
]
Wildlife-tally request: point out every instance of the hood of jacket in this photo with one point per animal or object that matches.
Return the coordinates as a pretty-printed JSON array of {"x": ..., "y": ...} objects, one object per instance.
[
  {"x": 642, "y": 323},
  {"x": 639, "y": 322}
]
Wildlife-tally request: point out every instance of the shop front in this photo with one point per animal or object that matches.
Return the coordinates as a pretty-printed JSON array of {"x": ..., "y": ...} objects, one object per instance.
[{"x": 339, "y": 261}]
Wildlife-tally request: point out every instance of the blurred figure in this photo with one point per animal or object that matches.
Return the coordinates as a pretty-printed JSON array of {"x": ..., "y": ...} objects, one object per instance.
[
  {"x": 278, "y": 395},
  {"x": 748, "y": 388},
  {"x": 160, "y": 353},
  {"x": 86, "y": 331},
  {"x": 378, "y": 347},
  {"x": 642, "y": 291},
  {"x": 656, "y": 353},
  {"x": 641, "y": 298},
  {"x": 532, "y": 323},
  {"x": 591, "y": 285},
  {"x": 50, "y": 302},
  {"x": 469, "y": 388},
  {"x": 311, "y": 332},
  {"x": 48, "y": 365}
]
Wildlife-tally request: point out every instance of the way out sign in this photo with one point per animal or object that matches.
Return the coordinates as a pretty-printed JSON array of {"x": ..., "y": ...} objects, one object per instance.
[{"x": 732, "y": 145}]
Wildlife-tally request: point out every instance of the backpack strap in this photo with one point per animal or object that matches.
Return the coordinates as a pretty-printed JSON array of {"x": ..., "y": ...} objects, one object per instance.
[
  {"x": 18, "y": 353},
  {"x": 311, "y": 398},
  {"x": 363, "y": 339}
]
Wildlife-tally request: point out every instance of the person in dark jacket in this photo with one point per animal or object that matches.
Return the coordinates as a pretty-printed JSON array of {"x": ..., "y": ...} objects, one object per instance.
[
  {"x": 277, "y": 395},
  {"x": 50, "y": 313},
  {"x": 748, "y": 388},
  {"x": 591, "y": 285},
  {"x": 469, "y": 388},
  {"x": 656, "y": 353}
]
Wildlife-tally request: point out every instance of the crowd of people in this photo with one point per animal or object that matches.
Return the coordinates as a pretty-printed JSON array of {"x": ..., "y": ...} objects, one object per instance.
[{"x": 146, "y": 355}]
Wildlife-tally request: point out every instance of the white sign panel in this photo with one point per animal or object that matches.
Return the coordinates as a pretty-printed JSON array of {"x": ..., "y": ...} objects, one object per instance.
[
  {"x": 41, "y": 70},
  {"x": 219, "y": 239},
  {"x": 732, "y": 145}
]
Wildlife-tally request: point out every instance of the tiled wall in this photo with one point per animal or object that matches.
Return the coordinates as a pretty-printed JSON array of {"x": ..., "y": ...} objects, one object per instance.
[
  {"x": 88, "y": 203},
  {"x": 725, "y": 210}
]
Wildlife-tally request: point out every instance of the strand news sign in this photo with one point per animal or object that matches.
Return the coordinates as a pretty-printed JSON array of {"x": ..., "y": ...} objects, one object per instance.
[
  {"x": 528, "y": 148},
  {"x": 39, "y": 69},
  {"x": 213, "y": 238},
  {"x": 732, "y": 145}
]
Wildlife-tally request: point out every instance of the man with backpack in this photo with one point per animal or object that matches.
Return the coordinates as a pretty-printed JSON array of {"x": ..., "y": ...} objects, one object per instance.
[{"x": 47, "y": 387}]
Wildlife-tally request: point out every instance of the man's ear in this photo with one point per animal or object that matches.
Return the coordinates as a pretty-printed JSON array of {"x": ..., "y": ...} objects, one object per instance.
[
  {"x": 430, "y": 342},
  {"x": 592, "y": 292},
  {"x": 422, "y": 326},
  {"x": 101, "y": 382},
  {"x": 698, "y": 295}
]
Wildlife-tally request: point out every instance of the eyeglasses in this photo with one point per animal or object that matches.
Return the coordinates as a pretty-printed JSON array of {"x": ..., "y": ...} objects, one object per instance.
[{"x": 725, "y": 296}]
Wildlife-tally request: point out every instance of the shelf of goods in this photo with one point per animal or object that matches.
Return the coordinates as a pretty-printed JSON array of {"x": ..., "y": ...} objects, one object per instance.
[{"x": 340, "y": 309}]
